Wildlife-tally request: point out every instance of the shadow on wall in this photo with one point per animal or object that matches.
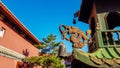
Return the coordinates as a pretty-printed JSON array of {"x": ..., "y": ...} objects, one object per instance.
[{"x": 26, "y": 52}]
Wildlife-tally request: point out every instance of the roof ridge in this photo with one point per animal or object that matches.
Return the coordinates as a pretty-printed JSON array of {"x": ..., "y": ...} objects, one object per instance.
[{"x": 26, "y": 30}]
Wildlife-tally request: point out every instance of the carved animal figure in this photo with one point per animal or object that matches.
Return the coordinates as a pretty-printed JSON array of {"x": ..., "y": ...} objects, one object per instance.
[{"x": 76, "y": 35}]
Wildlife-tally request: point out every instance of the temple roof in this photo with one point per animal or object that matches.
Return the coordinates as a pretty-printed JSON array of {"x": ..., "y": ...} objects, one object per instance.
[
  {"x": 103, "y": 57},
  {"x": 101, "y": 6},
  {"x": 85, "y": 10},
  {"x": 14, "y": 20}
]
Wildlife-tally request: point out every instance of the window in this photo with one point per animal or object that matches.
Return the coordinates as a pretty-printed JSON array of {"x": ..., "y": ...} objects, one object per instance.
[
  {"x": 113, "y": 20},
  {"x": 2, "y": 31}
]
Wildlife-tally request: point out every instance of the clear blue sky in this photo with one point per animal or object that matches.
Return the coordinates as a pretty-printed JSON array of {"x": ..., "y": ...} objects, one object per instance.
[{"x": 43, "y": 17}]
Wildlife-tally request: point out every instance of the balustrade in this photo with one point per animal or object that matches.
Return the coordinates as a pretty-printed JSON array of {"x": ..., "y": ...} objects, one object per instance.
[{"x": 111, "y": 37}]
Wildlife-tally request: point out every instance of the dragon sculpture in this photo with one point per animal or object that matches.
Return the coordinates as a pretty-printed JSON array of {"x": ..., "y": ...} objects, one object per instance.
[{"x": 77, "y": 37}]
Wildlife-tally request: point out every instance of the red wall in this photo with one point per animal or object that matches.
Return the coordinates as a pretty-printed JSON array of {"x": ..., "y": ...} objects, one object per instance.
[
  {"x": 13, "y": 41},
  {"x": 10, "y": 62}
]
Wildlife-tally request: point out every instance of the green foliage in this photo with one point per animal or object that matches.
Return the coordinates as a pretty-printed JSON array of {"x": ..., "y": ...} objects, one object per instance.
[
  {"x": 49, "y": 46},
  {"x": 47, "y": 58},
  {"x": 49, "y": 39},
  {"x": 39, "y": 46},
  {"x": 46, "y": 61}
]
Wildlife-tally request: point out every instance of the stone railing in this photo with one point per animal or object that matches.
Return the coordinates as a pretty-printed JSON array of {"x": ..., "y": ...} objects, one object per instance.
[{"x": 10, "y": 53}]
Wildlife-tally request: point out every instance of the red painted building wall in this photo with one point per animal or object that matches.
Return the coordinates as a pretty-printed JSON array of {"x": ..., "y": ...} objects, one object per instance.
[
  {"x": 15, "y": 42},
  {"x": 7, "y": 63}
]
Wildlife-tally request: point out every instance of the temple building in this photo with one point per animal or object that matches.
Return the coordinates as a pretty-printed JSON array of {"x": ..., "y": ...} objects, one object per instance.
[
  {"x": 103, "y": 18},
  {"x": 16, "y": 42}
]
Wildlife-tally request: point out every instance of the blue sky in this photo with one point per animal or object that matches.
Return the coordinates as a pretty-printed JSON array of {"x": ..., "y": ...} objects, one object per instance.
[{"x": 43, "y": 17}]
